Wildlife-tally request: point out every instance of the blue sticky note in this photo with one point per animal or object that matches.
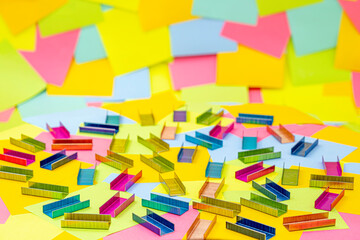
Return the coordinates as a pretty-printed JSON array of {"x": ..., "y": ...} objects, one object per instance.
[
  {"x": 315, "y": 27},
  {"x": 352, "y": 168},
  {"x": 242, "y": 11},
  {"x": 134, "y": 85},
  {"x": 330, "y": 150},
  {"x": 73, "y": 119},
  {"x": 45, "y": 104},
  {"x": 89, "y": 46},
  {"x": 199, "y": 37}
]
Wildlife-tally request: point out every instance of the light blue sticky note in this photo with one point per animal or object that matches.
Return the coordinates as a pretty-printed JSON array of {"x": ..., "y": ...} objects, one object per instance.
[
  {"x": 352, "y": 168},
  {"x": 315, "y": 27},
  {"x": 73, "y": 119},
  {"x": 89, "y": 46},
  {"x": 242, "y": 11},
  {"x": 45, "y": 104},
  {"x": 199, "y": 37},
  {"x": 330, "y": 150},
  {"x": 134, "y": 85}
]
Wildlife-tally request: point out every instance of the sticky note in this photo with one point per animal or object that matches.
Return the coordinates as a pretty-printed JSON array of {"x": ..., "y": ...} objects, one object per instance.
[
  {"x": 248, "y": 67},
  {"x": 14, "y": 87},
  {"x": 132, "y": 85},
  {"x": 199, "y": 37},
  {"x": 214, "y": 94},
  {"x": 348, "y": 47},
  {"x": 276, "y": 6},
  {"x": 32, "y": 226},
  {"x": 356, "y": 87},
  {"x": 93, "y": 78},
  {"x": 128, "y": 47},
  {"x": 243, "y": 11},
  {"x": 130, "y": 5},
  {"x": 352, "y": 9},
  {"x": 22, "y": 41},
  {"x": 315, "y": 27},
  {"x": 270, "y": 35},
  {"x": 159, "y": 13},
  {"x": 160, "y": 79},
  {"x": 51, "y": 61},
  {"x": 6, "y": 114},
  {"x": 89, "y": 46},
  {"x": 49, "y": 104},
  {"x": 73, "y": 15},
  {"x": 19, "y": 18},
  {"x": 314, "y": 68},
  {"x": 193, "y": 71}
]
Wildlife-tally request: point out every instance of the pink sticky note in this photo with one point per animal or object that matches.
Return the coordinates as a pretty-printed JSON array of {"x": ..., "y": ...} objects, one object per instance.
[
  {"x": 5, "y": 115},
  {"x": 138, "y": 232},
  {"x": 353, "y": 232},
  {"x": 94, "y": 104},
  {"x": 100, "y": 146},
  {"x": 352, "y": 9},
  {"x": 53, "y": 56},
  {"x": 269, "y": 36},
  {"x": 255, "y": 95},
  {"x": 356, "y": 87},
  {"x": 4, "y": 212},
  {"x": 193, "y": 71}
]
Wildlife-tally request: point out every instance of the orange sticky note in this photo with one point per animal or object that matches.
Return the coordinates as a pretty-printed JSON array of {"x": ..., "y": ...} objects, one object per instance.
[
  {"x": 159, "y": 13},
  {"x": 248, "y": 67},
  {"x": 348, "y": 46},
  {"x": 21, "y": 14}
]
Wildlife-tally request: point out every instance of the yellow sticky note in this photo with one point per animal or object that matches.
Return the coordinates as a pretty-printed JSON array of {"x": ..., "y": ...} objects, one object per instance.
[
  {"x": 88, "y": 79},
  {"x": 282, "y": 114},
  {"x": 65, "y": 236},
  {"x": 339, "y": 135},
  {"x": 73, "y": 15},
  {"x": 159, "y": 13},
  {"x": 248, "y": 67},
  {"x": 130, "y": 5},
  {"x": 128, "y": 47},
  {"x": 160, "y": 79},
  {"x": 338, "y": 89},
  {"x": 20, "y": 14},
  {"x": 271, "y": 7},
  {"x": 28, "y": 226},
  {"x": 160, "y": 104},
  {"x": 23, "y": 41},
  {"x": 348, "y": 46}
]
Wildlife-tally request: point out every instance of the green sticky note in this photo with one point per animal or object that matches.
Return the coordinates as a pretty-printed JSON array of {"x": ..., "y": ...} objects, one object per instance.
[
  {"x": 215, "y": 94},
  {"x": 73, "y": 15},
  {"x": 315, "y": 68},
  {"x": 19, "y": 81},
  {"x": 267, "y": 7}
]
